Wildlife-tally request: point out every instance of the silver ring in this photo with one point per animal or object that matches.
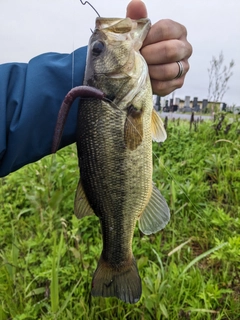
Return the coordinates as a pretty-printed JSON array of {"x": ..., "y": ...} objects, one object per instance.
[{"x": 181, "y": 69}]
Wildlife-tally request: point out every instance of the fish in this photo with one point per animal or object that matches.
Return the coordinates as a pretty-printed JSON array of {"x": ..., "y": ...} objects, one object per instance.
[{"x": 115, "y": 129}]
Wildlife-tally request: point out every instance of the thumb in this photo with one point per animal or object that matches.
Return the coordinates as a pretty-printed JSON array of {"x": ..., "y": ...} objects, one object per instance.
[{"x": 136, "y": 9}]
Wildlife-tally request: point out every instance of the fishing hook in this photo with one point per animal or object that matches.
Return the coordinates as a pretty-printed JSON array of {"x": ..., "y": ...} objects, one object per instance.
[{"x": 87, "y": 2}]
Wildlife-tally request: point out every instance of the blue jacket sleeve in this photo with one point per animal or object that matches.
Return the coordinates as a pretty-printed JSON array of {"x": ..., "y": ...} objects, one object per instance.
[{"x": 30, "y": 97}]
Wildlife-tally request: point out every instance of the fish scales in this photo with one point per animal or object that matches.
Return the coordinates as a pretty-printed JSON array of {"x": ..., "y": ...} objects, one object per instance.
[
  {"x": 114, "y": 142},
  {"x": 108, "y": 174}
]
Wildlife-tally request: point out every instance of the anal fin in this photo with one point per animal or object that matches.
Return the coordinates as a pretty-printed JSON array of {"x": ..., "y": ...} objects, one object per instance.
[
  {"x": 156, "y": 214},
  {"x": 82, "y": 207}
]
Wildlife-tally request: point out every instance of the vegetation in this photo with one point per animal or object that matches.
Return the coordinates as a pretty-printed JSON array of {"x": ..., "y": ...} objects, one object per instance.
[
  {"x": 219, "y": 76},
  {"x": 190, "y": 270}
]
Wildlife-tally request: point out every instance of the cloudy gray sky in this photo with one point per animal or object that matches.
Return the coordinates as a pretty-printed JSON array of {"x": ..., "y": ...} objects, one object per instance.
[{"x": 32, "y": 27}]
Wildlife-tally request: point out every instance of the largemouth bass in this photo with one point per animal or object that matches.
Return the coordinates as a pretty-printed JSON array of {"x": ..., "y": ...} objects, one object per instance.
[{"x": 114, "y": 142}]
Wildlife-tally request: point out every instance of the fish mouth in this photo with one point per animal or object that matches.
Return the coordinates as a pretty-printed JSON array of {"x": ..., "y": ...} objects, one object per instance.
[
  {"x": 109, "y": 98},
  {"x": 113, "y": 75}
]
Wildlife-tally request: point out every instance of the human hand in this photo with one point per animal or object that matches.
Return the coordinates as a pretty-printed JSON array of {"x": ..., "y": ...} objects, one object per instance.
[{"x": 165, "y": 44}]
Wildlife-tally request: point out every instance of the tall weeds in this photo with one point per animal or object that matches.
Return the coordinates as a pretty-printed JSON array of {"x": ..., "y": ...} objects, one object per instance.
[{"x": 190, "y": 270}]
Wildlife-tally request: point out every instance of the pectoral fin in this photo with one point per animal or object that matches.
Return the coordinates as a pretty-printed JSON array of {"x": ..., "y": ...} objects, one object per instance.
[
  {"x": 133, "y": 129},
  {"x": 158, "y": 131},
  {"x": 81, "y": 205},
  {"x": 156, "y": 214}
]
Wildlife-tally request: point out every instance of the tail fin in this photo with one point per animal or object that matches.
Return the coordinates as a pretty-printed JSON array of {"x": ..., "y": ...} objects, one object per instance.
[{"x": 123, "y": 283}]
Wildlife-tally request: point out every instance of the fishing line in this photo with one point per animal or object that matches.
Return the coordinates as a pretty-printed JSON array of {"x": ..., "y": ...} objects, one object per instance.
[
  {"x": 73, "y": 62},
  {"x": 73, "y": 48},
  {"x": 87, "y": 2},
  {"x": 73, "y": 56}
]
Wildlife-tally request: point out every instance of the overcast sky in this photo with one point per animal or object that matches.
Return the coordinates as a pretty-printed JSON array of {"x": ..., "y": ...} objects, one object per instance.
[{"x": 31, "y": 27}]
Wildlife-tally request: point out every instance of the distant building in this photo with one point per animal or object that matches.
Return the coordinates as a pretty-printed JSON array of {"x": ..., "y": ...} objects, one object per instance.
[
  {"x": 201, "y": 104},
  {"x": 189, "y": 105},
  {"x": 177, "y": 101},
  {"x": 187, "y": 101}
]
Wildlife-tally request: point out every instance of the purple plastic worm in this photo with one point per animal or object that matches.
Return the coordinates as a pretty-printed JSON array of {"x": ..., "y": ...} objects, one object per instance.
[{"x": 81, "y": 91}]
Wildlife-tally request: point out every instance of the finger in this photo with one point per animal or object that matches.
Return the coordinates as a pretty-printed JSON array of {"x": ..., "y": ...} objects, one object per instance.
[
  {"x": 167, "y": 72},
  {"x": 136, "y": 9},
  {"x": 165, "y": 29},
  {"x": 163, "y": 88},
  {"x": 167, "y": 51}
]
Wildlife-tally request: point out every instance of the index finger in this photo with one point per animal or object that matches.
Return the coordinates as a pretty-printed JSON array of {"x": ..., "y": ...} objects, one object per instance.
[{"x": 165, "y": 29}]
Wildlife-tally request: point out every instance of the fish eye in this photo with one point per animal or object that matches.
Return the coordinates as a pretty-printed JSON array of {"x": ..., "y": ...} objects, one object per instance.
[{"x": 97, "y": 47}]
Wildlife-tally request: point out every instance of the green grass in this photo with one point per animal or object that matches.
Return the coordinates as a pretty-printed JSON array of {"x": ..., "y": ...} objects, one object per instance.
[{"x": 190, "y": 270}]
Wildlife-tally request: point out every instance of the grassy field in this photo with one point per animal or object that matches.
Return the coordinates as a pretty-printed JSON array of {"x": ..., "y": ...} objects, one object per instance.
[{"x": 190, "y": 270}]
